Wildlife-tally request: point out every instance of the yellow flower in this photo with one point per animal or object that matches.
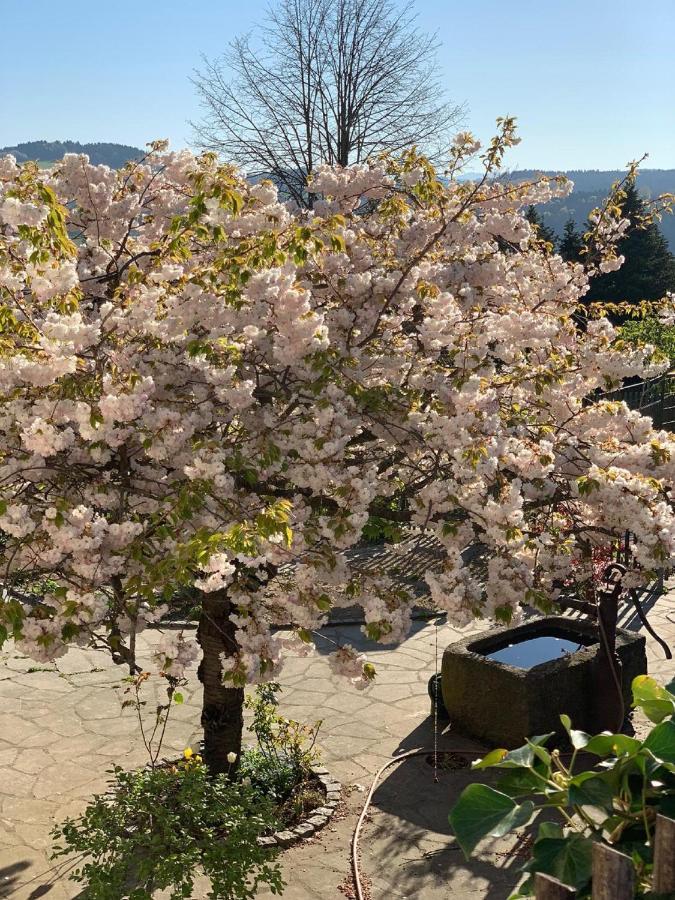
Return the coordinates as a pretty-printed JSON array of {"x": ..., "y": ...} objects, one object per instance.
[{"x": 187, "y": 753}]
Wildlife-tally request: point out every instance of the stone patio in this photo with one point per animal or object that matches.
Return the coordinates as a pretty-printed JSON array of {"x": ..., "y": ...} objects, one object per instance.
[{"x": 62, "y": 727}]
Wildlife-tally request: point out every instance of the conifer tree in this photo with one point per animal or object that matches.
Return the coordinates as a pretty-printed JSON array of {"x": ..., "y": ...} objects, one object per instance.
[
  {"x": 571, "y": 243},
  {"x": 544, "y": 232},
  {"x": 648, "y": 272}
]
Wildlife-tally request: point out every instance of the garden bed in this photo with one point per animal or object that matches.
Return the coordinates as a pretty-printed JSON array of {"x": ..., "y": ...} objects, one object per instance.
[{"x": 315, "y": 820}]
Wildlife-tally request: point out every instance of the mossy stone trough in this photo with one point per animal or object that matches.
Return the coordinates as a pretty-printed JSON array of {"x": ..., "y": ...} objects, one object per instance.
[{"x": 502, "y": 704}]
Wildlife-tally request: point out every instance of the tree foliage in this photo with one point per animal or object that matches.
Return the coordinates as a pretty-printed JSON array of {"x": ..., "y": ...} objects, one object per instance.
[
  {"x": 571, "y": 244},
  {"x": 158, "y": 828},
  {"x": 542, "y": 231},
  {"x": 100, "y": 154}
]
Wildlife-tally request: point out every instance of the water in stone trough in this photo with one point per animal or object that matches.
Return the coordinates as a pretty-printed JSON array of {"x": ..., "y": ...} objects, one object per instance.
[{"x": 533, "y": 651}]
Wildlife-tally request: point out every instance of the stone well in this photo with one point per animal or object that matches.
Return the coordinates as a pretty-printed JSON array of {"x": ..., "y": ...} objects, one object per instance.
[{"x": 501, "y": 704}]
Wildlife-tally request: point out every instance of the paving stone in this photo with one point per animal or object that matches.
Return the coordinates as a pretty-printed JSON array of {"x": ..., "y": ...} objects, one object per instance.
[
  {"x": 41, "y": 738},
  {"x": 304, "y": 830},
  {"x": 26, "y": 809},
  {"x": 15, "y": 730},
  {"x": 268, "y": 842},
  {"x": 46, "y": 681},
  {"x": 62, "y": 779},
  {"x": 7, "y": 756},
  {"x": 284, "y": 838},
  {"x": 323, "y": 811},
  {"x": 60, "y": 735},
  {"x": 16, "y": 783}
]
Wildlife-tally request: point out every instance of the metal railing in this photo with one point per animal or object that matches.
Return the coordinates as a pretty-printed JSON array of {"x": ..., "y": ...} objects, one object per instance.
[{"x": 654, "y": 398}]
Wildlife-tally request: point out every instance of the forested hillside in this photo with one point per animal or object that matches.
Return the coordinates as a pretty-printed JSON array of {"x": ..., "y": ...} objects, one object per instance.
[
  {"x": 109, "y": 154},
  {"x": 590, "y": 189}
]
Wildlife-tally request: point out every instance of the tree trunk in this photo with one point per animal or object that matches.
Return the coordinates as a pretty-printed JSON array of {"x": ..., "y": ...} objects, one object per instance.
[{"x": 222, "y": 710}]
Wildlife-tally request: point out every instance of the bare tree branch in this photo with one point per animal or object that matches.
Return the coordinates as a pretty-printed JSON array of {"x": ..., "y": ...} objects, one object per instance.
[{"x": 324, "y": 81}]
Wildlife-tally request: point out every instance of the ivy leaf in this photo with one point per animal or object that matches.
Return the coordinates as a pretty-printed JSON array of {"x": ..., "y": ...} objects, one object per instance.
[
  {"x": 578, "y": 739},
  {"x": 550, "y": 830},
  {"x": 482, "y": 811},
  {"x": 661, "y": 742},
  {"x": 493, "y": 758},
  {"x": 567, "y": 859},
  {"x": 520, "y": 782},
  {"x": 591, "y": 789},
  {"x": 655, "y": 701},
  {"x": 607, "y": 744},
  {"x": 526, "y": 756}
]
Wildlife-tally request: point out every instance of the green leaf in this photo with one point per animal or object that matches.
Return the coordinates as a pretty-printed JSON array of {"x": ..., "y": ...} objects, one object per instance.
[
  {"x": 520, "y": 782},
  {"x": 541, "y": 753},
  {"x": 482, "y": 811},
  {"x": 567, "y": 859},
  {"x": 178, "y": 697},
  {"x": 578, "y": 739},
  {"x": 661, "y": 742},
  {"x": 591, "y": 789},
  {"x": 655, "y": 701},
  {"x": 550, "y": 830},
  {"x": 493, "y": 758},
  {"x": 522, "y": 757},
  {"x": 607, "y": 744}
]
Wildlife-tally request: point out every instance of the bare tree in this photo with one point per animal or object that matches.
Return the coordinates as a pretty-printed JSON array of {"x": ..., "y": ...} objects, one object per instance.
[{"x": 333, "y": 81}]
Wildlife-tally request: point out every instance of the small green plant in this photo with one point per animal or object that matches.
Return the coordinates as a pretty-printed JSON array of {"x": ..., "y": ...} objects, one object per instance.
[
  {"x": 615, "y": 800},
  {"x": 281, "y": 740},
  {"x": 157, "y": 826},
  {"x": 160, "y": 825},
  {"x": 280, "y": 766}
]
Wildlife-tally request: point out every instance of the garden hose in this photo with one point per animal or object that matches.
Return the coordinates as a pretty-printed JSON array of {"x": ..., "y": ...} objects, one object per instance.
[{"x": 359, "y": 825}]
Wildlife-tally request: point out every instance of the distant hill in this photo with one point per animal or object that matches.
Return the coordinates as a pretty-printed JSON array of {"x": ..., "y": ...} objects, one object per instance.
[
  {"x": 113, "y": 155},
  {"x": 590, "y": 185},
  {"x": 590, "y": 189}
]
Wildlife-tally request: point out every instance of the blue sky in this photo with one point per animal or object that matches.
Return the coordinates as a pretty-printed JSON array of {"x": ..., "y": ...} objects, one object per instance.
[{"x": 591, "y": 81}]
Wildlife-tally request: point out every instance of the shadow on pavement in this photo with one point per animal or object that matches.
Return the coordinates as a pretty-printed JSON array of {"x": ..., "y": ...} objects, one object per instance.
[
  {"x": 10, "y": 877},
  {"x": 408, "y": 849}
]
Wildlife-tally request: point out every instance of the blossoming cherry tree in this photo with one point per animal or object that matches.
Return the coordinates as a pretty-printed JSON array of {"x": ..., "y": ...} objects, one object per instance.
[{"x": 202, "y": 387}]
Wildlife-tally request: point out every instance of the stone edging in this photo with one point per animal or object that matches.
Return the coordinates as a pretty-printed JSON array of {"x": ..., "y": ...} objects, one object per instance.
[{"x": 317, "y": 819}]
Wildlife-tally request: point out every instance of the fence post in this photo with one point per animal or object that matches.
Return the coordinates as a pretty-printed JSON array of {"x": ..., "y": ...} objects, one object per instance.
[
  {"x": 548, "y": 888},
  {"x": 613, "y": 874},
  {"x": 664, "y": 856}
]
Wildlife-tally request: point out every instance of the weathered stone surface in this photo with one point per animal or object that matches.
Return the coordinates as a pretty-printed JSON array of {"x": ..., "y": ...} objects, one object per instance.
[
  {"x": 304, "y": 830},
  {"x": 318, "y": 821},
  {"x": 267, "y": 842},
  {"x": 323, "y": 811},
  {"x": 284, "y": 838}
]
